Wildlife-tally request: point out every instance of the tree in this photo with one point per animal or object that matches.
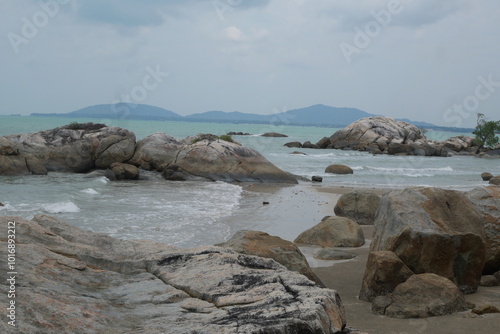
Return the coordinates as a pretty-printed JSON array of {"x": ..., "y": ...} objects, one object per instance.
[{"x": 486, "y": 131}]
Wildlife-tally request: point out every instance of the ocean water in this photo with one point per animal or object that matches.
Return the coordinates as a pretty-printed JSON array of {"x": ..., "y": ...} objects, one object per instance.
[{"x": 188, "y": 214}]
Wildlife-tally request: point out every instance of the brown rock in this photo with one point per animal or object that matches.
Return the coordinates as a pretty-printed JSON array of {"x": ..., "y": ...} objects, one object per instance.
[
  {"x": 267, "y": 246},
  {"x": 485, "y": 309},
  {"x": 338, "y": 169},
  {"x": 384, "y": 272},
  {"x": 360, "y": 206},
  {"x": 489, "y": 280},
  {"x": 433, "y": 231},
  {"x": 486, "y": 176},
  {"x": 495, "y": 180},
  {"x": 124, "y": 171},
  {"x": 333, "y": 232},
  {"x": 293, "y": 144}
]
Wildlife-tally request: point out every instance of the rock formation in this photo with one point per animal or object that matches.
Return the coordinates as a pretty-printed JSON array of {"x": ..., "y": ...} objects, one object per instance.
[
  {"x": 74, "y": 281},
  {"x": 333, "y": 232},
  {"x": 360, "y": 206}
]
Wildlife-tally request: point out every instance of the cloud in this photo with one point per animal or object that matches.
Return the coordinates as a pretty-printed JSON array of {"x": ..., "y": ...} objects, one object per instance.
[{"x": 234, "y": 33}]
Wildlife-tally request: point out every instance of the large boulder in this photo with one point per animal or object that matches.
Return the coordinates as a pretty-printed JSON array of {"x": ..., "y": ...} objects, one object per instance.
[
  {"x": 384, "y": 272},
  {"x": 487, "y": 200},
  {"x": 75, "y": 281},
  {"x": 338, "y": 169},
  {"x": 268, "y": 246},
  {"x": 212, "y": 159},
  {"x": 422, "y": 296},
  {"x": 333, "y": 232},
  {"x": 486, "y": 176},
  {"x": 433, "y": 230},
  {"x": 378, "y": 130},
  {"x": 360, "y": 206},
  {"x": 72, "y": 148},
  {"x": 124, "y": 171}
]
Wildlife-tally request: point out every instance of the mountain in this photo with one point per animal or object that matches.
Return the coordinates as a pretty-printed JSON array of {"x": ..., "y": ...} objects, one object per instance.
[{"x": 121, "y": 111}]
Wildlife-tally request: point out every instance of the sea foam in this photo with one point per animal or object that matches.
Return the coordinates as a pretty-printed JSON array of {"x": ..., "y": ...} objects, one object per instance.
[{"x": 61, "y": 207}]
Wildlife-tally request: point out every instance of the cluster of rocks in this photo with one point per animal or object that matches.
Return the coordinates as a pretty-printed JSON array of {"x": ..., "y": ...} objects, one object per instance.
[
  {"x": 239, "y": 133},
  {"x": 383, "y": 135},
  {"x": 430, "y": 246},
  {"x": 82, "y": 282},
  {"x": 89, "y": 146},
  {"x": 495, "y": 180}
]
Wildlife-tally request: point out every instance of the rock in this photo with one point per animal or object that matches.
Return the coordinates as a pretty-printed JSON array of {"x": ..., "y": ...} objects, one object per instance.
[
  {"x": 485, "y": 309},
  {"x": 433, "y": 230},
  {"x": 492, "y": 154},
  {"x": 273, "y": 134},
  {"x": 73, "y": 148},
  {"x": 308, "y": 144},
  {"x": 333, "y": 254},
  {"x": 324, "y": 142},
  {"x": 124, "y": 171},
  {"x": 174, "y": 173},
  {"x": 399, "y": 149},
  {"x": 380, "y": 304},
  {"x": 489, "y": 280},
  {"x": 238, "y": 134},
  {"x": 487, "y": 201},
  {"x": 338, "y": 169},
  {"x": 495, "y": 180},
  {"x": 74, "y": 281},
  {"x": 363, "y": 132},
  {"x": 264, "y": 245},
  {"x": 1, "y": 204},
  {"x": 211, "y": 159},
  {"x": 486, "y": 176},
  {"x": 317, "y": 179},
  {"x": 333, "y": 232},
  {"x": 497, "y": 275},
  {"x": 360, "y": 206},
  {"x": 425, "y": 295},
  {"x": 384, "y": 272},
  {"x": 294, "y": 144},
  {"x": 298, "y": 153}
]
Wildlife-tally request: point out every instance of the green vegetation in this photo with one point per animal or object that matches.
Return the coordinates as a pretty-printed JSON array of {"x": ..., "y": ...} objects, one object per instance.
[
  {"x": 74, "y": 126},
  {"x": 226, "y": 138},
  {"x": 486, "y": 131}
]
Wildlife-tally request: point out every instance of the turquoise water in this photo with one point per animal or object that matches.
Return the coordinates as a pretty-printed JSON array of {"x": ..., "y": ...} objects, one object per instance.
[{"x": 194, "y": 213}]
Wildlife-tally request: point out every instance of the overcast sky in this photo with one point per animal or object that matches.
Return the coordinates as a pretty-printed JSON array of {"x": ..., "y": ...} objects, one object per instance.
[{"x": 427, "y": 60}]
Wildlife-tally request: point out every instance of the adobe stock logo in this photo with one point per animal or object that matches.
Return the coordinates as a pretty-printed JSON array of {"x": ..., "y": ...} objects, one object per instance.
[
  {"x": 371, "y": 30},
  {"x": 30, "y": 27}
]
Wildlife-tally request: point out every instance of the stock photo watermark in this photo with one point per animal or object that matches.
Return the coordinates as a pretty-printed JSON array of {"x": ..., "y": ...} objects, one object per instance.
[
  {"x": 372, "y": 29},
  {"x": 139, "y": 93},
  {"x": 11, "y": 274},
  {"x": 471, "y": 103},
  {"x": 222, "y": 7},
  {"x": 31, "y": 25}
]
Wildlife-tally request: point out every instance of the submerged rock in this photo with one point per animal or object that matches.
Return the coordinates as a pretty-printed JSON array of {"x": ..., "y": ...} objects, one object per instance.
[
  {"x": 74, "y": 281},
  {"x": 273, "y": 134}
]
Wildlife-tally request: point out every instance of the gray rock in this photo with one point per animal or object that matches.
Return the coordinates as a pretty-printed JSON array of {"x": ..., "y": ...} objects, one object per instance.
[
  {"x": 339, "y": 169},
  {"x": 124, "y": 171},
  {"x": 215, "y": 159},
  {"x": 75, "y": 281},
  {"x": 333, "y": 254},
  {"x": 360, "y": 206},
  {"x": 433, "y": 231},
  {"x": 273, "y": 134},
  {"x": 487, "y": 201},
  {"x": 489, "y": 280},
  {"x": 264, "y": 245},
  {"x": 486, "y": 176},
  {"x": 293, "y": 144},
  {"x": 333, "y": 232},
  {"x": 317, "y": 178},
  {"x": 65, "y": 149},
  {"x": 308, "y": 144},
  {"x": 425, "y": 295}
]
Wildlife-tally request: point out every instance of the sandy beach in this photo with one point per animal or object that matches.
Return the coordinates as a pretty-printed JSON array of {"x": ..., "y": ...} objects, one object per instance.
[{"x": 291, "y": 210}]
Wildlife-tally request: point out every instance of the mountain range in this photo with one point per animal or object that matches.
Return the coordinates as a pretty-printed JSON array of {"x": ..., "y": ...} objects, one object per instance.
[{"x": 316, "y": 115}]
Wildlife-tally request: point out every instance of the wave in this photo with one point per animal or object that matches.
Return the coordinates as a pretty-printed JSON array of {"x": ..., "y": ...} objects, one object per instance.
[
  {"x": 61, "y": 207},
  {"x": 392, "y": 169},
  {"x": 90, "y": 191}
]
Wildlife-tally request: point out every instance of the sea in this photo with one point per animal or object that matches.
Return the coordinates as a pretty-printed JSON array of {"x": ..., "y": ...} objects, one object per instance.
[{"x": 190, "y": 214}]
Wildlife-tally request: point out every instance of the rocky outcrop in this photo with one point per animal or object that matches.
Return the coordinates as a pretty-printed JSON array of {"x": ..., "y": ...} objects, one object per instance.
[
  {"x": 333, "y": 232},
  {"x": 487, "y": 200},
  {"x": 264, "y": 245},
  {"x": 72, "y": 148},
  {"x": 212, "y": 159},
  {"x": 339, "y": 169},
  {"x": 433, "y": 231},
  {"x": 422, "y": 296},
  {"x": 75, "y": 281},
  {"x": 360, "y": 206},
  {"x": 384, "y": 272}
]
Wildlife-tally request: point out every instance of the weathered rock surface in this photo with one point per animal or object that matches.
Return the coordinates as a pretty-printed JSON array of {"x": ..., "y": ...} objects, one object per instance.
[
  {"x": 212, "y": 159},
  {"x": 433, "y": 231},
  {"x": 425, "y": 295},
  {"x": 333, "y": 232},
  {"x": 264, "y": 245},
  {"x": 74, "y": 148},
  {"x": 487, "y": 200},
  {"x": 384, "y": 272},
  {"x": 339, "y": 169},
  {"x": 124, "y": 171},
  {"x": 360, "y": 206},
  {"x": 75, "y": 281},
  {"x": 495, "y": 180}
]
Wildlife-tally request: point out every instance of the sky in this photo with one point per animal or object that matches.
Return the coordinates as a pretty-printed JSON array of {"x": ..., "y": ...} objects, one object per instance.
[{"x": 426, "y": 60}]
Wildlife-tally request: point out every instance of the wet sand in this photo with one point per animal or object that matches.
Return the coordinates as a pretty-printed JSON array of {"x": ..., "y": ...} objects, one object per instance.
[{"x": 291, "y": 210}]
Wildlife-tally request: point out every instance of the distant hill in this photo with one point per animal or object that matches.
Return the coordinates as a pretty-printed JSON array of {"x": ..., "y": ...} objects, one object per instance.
[
  {"x": 121, "y": 111},
  {"x": 316, "y": 115}
]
